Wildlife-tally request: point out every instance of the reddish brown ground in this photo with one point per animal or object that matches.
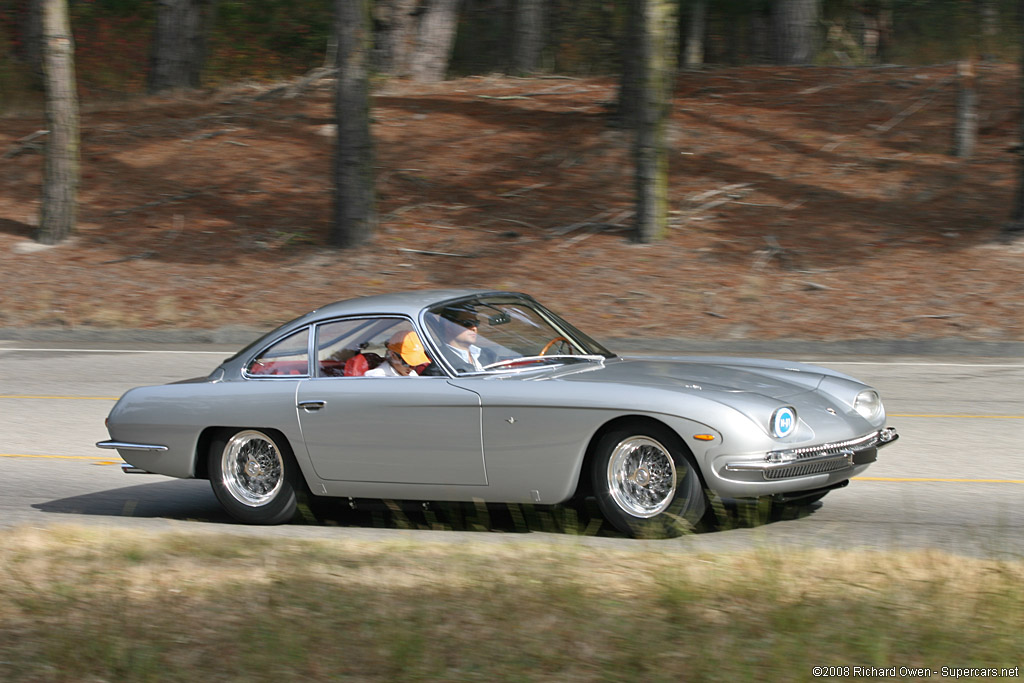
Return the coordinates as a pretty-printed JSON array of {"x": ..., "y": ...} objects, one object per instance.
[{"x": 840, "y": 219}]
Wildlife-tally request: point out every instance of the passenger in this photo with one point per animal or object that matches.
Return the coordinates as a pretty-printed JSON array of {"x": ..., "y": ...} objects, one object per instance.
[{"x": 405, "y": 352}]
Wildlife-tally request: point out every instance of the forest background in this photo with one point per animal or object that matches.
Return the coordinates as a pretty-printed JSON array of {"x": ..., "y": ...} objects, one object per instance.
[{"x": 829, "y": 186}]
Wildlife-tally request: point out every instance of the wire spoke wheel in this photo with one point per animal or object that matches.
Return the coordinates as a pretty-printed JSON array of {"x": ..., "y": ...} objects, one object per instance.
[
  {"x": 253, "y": 468},
  {"x": 646, "y": 482},
  {"x": 254, "y": 476},
  {"x": 642, "y": 476}
]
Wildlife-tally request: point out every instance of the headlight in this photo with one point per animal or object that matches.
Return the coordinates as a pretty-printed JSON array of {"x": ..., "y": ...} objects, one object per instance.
[
  {"x": 783, "y": 422},
  {"x": 868, "y": 404}
]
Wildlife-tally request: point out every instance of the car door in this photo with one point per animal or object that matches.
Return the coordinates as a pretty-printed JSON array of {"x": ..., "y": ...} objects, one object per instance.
[{"x": 411, "y": 430}]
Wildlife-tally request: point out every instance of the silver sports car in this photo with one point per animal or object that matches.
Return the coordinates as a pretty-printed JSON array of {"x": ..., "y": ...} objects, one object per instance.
[{"x": 488, "y": 396}]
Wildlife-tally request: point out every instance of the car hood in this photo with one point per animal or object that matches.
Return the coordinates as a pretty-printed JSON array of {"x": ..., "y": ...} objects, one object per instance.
[{"x": 770, "y": 379}]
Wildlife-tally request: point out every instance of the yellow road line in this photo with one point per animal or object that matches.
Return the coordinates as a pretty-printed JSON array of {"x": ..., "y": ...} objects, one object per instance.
[
  {"x": 972, "y": 417},
  {"x": 945, "y": 481},
  {"x": 55, "y": 457},
  {"x": 63, "y": 398}
]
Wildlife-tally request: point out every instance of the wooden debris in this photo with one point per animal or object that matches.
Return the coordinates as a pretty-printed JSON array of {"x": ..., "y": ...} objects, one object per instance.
[
  {"x": 523, "y": 223},
  {"x": 718, "y": 197},
  {"x": 157, "y": 202},
  {"x": 300, "y": 85},
  {"x": 26, "y": 144},
  {"x": 211, "y": 134},
  {"x": 816, "y": 89},
  {"x": 520, "y": 191},
  {"x": 427, "y": 252},
  {"x": 914, "y": 108},
  {"x": 605, "y": 220},
  {"x": 773, "y": 250},
  {"x": 133, "y": 257},
  {"x": 937, "y": 316},
  {"x": 557, "y": 90}
]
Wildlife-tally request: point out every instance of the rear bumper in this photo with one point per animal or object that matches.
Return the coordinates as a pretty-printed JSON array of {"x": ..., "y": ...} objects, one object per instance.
[
  {"x": 125, "y": 446},
  {"x": 119, "y": 446}
]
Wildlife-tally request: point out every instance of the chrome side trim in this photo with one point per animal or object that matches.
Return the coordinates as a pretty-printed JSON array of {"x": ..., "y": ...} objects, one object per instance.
[{"x": 124, "y": 446}]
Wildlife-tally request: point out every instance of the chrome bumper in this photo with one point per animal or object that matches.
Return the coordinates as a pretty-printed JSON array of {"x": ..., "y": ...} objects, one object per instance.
[
  {"x": 820, "y": 459},
  {"x": 125, "y": 446},
  {"x": 128, "y": 468}
]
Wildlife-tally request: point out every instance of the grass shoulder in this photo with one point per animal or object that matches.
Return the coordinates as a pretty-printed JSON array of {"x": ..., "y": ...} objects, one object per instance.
[{"x": 82, "y": 603}]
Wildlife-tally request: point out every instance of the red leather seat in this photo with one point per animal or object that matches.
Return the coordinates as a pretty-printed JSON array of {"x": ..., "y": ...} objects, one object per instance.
[{"x": 357, "y": 365}]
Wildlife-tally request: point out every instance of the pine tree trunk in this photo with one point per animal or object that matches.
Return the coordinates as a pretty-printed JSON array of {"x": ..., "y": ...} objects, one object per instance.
[
  {"x": 30, "y": 50},
  {"x": 628, "y": 104},
  {"x": 966, "y": 130},
  {"x": 529, "y": 36},
  {"x": 694, "y": 54},
  {"x": 179, "y": 45},
  {"x": 397, "y": 32},
  {"x": 760, "y": 41},
  {"x": 434, "y": 40},
  {"x": 989, "y": 11},
  {"x": 61, "y": 173},
  {"x": 795, "y": 23},
  {"x": 1015, "y": 227},
  {"x": 656, "y": 49},
  {"x": 355, "y": 211}
]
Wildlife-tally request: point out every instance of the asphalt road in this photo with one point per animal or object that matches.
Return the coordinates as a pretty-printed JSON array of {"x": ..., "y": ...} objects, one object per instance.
[{"x": 954, "y": 481}]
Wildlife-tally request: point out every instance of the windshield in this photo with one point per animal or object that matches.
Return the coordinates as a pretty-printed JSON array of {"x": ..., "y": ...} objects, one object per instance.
[{"x": 500, "y": 333}]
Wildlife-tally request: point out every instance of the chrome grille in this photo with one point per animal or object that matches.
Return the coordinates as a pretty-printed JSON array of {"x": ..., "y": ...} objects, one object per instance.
[
  {"x": 827, "y": 449},
  {"x": 802, "y": 470}
]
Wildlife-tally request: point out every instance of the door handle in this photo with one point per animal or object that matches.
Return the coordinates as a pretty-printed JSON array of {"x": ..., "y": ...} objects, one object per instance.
[{"x": 311, "y": 406}]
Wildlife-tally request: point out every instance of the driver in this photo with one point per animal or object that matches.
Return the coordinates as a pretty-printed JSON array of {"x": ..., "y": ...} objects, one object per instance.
[
  {"x": 404, "y": 352},
  {"x": 460, "y": 334}
]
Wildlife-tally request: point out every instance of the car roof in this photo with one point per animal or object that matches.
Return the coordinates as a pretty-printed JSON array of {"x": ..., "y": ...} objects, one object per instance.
[{"x": 401, "y": 303}]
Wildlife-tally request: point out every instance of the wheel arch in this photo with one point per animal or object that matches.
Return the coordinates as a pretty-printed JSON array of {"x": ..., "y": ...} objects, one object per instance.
[
  {"x": 639, "y": 422},
  {"x": 211, "y": 434}
]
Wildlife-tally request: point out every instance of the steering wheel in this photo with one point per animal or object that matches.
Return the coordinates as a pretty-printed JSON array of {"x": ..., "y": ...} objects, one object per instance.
[{"x": 547, "y": 347}]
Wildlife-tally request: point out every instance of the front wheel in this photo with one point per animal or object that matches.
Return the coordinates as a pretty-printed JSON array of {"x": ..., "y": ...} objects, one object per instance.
[
  {"x": 646, "y": 484},
  {"x": 253, "y": 476}
]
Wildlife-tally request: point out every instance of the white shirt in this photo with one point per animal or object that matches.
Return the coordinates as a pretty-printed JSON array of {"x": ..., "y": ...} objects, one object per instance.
[
  {"x": 385, "y": 369},
  {"x": 472, "y": 356}
]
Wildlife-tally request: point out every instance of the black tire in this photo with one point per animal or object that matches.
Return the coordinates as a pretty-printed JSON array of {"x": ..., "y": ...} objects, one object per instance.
[
  {"x": 254, "y": 476},
  {"x": 647, "y": 484}
]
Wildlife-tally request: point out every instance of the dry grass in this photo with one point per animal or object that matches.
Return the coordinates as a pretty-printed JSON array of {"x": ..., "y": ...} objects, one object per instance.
[{"x": 105, "y": 605}]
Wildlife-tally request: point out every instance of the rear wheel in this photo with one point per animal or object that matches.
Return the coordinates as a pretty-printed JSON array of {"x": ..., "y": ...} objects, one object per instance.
[
  {"x": 253, "y": 475},
  {"x": 646, "y": 484}
]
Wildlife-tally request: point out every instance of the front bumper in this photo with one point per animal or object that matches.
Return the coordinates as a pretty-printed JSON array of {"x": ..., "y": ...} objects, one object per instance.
[{"x": 824, "y": 458}]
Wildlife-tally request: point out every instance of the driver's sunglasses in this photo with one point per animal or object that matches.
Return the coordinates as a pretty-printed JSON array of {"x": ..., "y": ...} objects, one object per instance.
[{"x": 469, "y": 322}]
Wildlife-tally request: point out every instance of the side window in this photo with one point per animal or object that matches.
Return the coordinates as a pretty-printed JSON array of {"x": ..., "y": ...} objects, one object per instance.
[
  {"x": 290, "y": 356},
  {"x": 350, "y": 347}
]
